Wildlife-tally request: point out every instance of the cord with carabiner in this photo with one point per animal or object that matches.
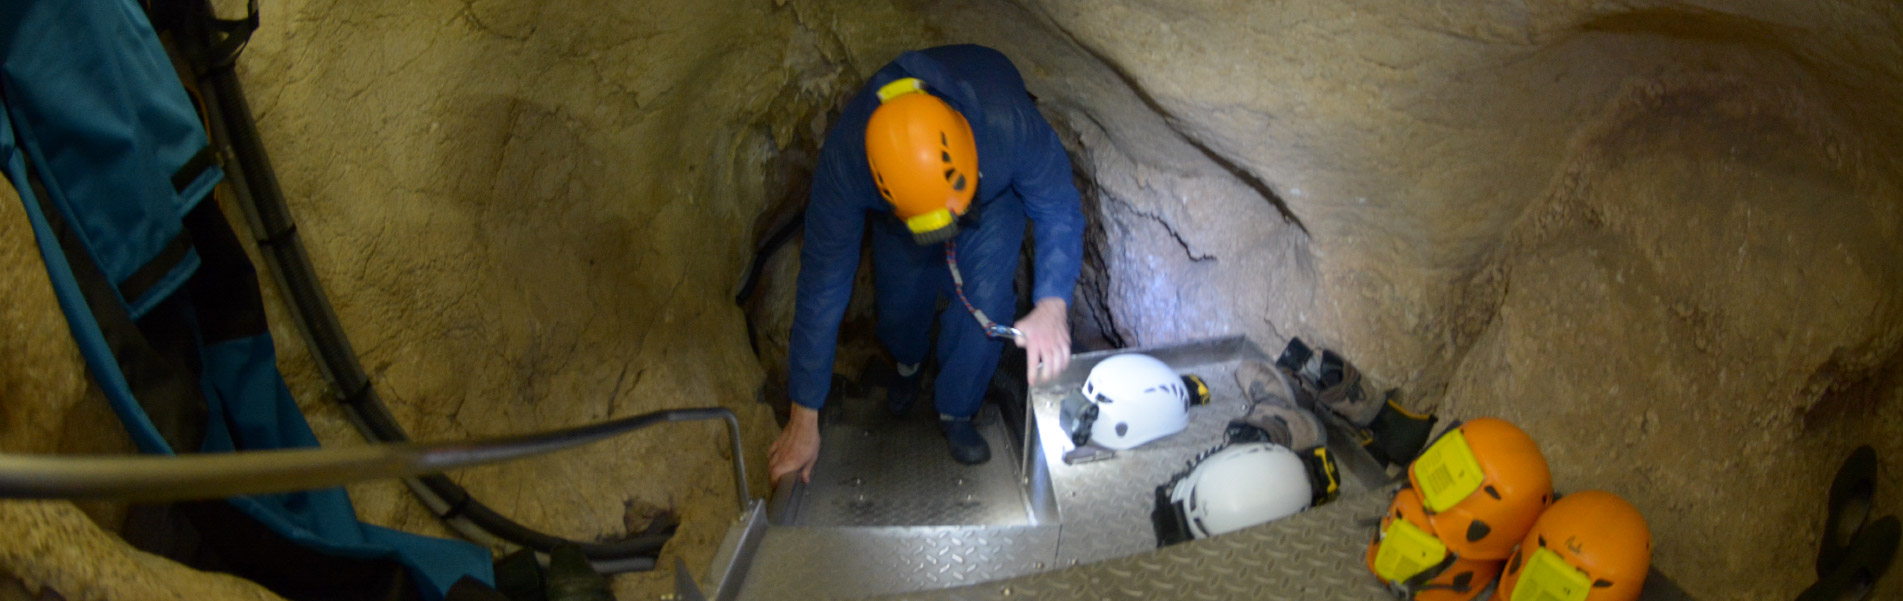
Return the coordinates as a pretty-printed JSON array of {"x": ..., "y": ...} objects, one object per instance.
[{"x": 991, "y": 328}]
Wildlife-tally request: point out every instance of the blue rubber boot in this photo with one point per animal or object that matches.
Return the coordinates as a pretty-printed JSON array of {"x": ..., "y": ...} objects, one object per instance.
[{"x": 967, "y": 445}]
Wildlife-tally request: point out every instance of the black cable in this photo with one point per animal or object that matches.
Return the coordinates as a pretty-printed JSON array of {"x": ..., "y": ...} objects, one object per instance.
[
  {"x": 760, "y": 256},
  {"x": 254, "y": 183}
]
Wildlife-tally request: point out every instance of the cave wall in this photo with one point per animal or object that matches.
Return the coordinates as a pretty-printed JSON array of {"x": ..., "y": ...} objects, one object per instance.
[{"x": 1661, "y": 236}]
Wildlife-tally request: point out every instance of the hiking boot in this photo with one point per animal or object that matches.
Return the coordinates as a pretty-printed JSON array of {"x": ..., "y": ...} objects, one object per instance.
[
  {"x": 1280, "y": 424},
  {"x": 902, "y": 392},
  {"x": 967, "y": 445},
  {"x": 1264, "y": 383},
  {"x": 1340, "y": 388},
  {"x": 1397, "y": 435}
]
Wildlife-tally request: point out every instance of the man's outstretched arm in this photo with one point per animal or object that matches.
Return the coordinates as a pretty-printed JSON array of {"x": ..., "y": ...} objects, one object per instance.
[
  {"x": 828, "y": 259},
  {"x": 1055, "y": 208}
]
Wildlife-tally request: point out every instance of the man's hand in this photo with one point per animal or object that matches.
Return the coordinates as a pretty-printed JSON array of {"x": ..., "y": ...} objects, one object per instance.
[
  {"x": 797, "y": 448},
  {"x": 1046, "y": 340}
]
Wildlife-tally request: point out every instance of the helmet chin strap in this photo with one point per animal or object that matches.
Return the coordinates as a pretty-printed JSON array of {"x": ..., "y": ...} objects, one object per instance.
[{"x": 991, "y": 328}]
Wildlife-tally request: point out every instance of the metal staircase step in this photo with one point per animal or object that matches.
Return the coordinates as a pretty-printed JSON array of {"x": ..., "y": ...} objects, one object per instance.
[
  {"x": 838, "y": 563},
  {"x": 875, "y": 469}
]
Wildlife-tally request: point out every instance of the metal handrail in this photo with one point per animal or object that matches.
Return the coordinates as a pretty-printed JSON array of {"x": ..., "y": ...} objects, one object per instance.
[
  {"x": 148, "y": 478},
  {"x": 783, "y": 506}
]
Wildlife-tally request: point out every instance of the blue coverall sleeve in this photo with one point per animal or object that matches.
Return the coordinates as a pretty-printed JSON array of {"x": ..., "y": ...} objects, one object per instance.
[
  {"x": 1055, "y": 209},
  {"x": 828, "y": 260}
]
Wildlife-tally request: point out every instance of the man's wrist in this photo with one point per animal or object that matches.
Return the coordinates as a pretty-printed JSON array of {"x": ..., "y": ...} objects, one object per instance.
[
  {"x": 1052, "y": 302},
  {"x": 802, "y": 413}
]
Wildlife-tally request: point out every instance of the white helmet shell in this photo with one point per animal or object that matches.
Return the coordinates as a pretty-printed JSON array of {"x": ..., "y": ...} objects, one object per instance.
[
  {"x": 1138, "y": 399},
  {"x": 1240, "y": 486}
]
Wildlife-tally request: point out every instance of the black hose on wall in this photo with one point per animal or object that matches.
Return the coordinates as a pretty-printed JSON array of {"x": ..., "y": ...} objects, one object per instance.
[{"x": 210, "y": 48}]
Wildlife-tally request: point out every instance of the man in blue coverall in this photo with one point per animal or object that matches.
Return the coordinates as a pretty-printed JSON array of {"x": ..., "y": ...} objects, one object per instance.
[{"x": 943, "y": 154}]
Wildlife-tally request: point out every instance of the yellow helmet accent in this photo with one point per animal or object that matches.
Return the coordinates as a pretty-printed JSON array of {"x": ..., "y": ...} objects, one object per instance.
[
  {"x": 930, "y": 221},
  {"x": 1448, "y": 472},
  {"x": 900, "y": 87},
  {"x": 1407, "y": 550},
  {"x": 1549, "y": 578}
]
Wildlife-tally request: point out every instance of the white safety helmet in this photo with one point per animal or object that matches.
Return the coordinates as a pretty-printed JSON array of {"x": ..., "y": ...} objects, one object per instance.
[
  {"x": 1240, "y": 486},
  {"x": 1129, "y": 400}
]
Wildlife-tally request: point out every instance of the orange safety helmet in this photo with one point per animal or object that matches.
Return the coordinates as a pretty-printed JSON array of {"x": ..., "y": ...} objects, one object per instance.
[
  {"x": 1483, "y": 484},
  {"x": 1407, "y": 557},
  {"x": 1590, "y": 546},
  {"x": 923, "y": 158}
]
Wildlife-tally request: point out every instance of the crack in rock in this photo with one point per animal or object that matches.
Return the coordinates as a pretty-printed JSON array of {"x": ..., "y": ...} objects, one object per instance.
[
  {"x": 1169, "y": 119},
  {"x": 1194, "y": 256}
]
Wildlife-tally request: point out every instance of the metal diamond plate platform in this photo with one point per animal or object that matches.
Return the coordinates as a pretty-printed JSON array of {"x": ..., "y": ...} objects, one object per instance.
[
  {"x": 879, "y": 470},
  {"x": 1316, "y": 554},
  {"x": 1105, "y": 505},
  {"x": 1035, "y": 527},
  {"x": 837, "y": 563}
]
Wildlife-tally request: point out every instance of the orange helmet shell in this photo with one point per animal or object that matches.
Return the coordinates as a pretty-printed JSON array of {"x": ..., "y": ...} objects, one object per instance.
[
  {"x": 1596, "y": 532},
  {"x": 923, "y": 157},
  {"x": 1461, "y": 580},
  {"x": 1509, "y": 480}
]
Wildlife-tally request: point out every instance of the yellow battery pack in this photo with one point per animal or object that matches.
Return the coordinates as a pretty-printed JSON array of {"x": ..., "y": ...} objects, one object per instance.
[
  {"x": 1549, "y": 578},
  {"x": 1447, "y": 472},
  {"x": 1407, "y": 550},
  {"x": 1198, "y": 390},
  {"x": 1329, "y": 473}
]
